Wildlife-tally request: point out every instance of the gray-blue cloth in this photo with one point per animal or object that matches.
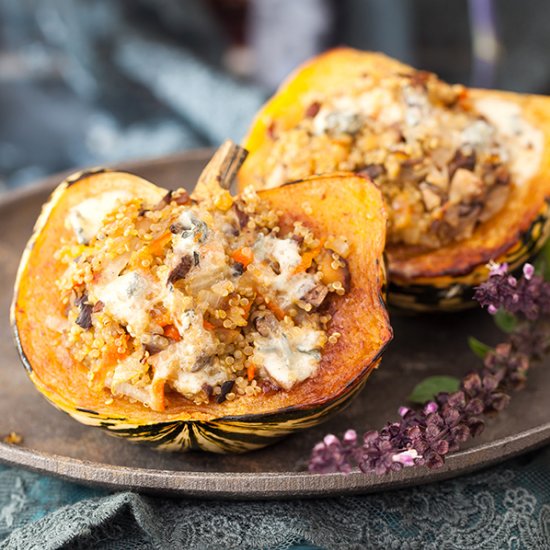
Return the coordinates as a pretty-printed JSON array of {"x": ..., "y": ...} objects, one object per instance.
[{"x": 507, "y": 506}]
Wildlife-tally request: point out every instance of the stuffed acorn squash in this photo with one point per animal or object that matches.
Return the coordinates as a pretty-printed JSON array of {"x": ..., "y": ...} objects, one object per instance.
[
  {"x": 206, "y": 321},
  {"x": 464, "y": 172}
]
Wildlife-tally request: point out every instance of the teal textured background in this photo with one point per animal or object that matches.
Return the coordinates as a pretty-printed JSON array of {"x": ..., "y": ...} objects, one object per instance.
[{"x": 507, "y": 506}]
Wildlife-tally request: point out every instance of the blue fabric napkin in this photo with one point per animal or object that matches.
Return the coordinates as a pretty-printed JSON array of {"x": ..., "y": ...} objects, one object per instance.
[{"x": 507, "y": 506}]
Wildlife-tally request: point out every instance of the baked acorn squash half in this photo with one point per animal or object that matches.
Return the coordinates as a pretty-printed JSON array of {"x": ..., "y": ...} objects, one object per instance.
[
  {"x": 207, "y": 321},
  {"x": 464, "y": 172}
]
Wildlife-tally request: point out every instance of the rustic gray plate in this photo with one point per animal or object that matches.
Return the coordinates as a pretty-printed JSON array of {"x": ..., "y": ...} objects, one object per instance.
[{"x": 54, "y": 443}]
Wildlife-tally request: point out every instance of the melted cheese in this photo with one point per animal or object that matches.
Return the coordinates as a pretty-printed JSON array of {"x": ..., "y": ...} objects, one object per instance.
[
  {"x": 524, "y": 142},
  {"x": 191, "y": 383},
  {"x": 479, "y": 134},
  {"x": 337, "y": 122},
  {"x": 86, "y": 218},
  {"x": 289, "y": 358},
  {"x": 186, "y": 242},
  {"x": 128, "y": 299},
  {"x": 285, "y": 251},
  {"x": 293, "y": 288},
  {"x": 289, "y": 286},
  {"x": 175, "y": 364}
]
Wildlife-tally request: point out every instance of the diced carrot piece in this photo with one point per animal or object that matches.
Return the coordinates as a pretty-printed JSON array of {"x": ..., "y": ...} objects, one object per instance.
[
  {"x": 161, "y": 318},
  {"x": 170, "y": 331},
  {"x": 246, "y": 309},
  {"x": 275, "y": 309},
  {"x": 307, "y": 260},
  {"x": 251, "y": 372},
  {"x": 108, "y": 361},
  {"x": 157, "y": 245},
  {"x": 154, "y": 248},
  {"x": 243, "y": 255},
  {"x": 208, "y": 325}
]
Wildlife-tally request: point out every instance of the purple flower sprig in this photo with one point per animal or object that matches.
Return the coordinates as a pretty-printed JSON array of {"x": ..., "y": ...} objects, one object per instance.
[
  {"x": 427, "y": 436},
  {"x": 528, "y": 296}
]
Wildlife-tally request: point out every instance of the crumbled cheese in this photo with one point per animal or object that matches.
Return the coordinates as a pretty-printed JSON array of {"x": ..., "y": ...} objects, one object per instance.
[
  {"x": 337, "y": 122},
  {"x": 128, "y": 299},
  {"x": 175, "y": 364},
  {"x": 479, "y": 134},
  {"x": 289, "y": 358},
  {"x": 417, "y": 106},
  {"x": 191, "y": 383},
  {"x": 372, "y": 102},
  {"x": 286, "y": 252},
  {"x": 86, "y": 218},
  {"x": 293, "y": 288},
  {"x": 186, "y": 242},
  {"x": 524, "y": 142}
]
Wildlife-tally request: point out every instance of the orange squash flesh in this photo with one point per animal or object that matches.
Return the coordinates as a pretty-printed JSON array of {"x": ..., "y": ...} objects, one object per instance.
[
  {"x": 513, "y": 234},
  {"x": 360, "y": 315}
]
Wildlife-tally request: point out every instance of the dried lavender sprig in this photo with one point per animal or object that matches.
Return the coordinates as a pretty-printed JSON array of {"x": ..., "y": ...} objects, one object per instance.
[{"x": 428, "y": 435}]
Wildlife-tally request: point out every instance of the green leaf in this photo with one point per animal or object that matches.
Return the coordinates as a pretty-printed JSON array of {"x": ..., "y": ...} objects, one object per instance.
[
  {"x": 542, "y": 263},
  {"x": 478, "y": 347},
  {"x": 505, "y": 321},
  {"x": 431, "y": 386}
]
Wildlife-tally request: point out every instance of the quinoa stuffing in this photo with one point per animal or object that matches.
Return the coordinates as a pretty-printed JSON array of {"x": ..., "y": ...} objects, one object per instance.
[
  {"x": 209, "y": 299},
  {"x": 443, "y": 162}
]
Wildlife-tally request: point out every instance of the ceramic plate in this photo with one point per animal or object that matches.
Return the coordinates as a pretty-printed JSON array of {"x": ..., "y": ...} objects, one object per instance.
[{"x": 54, "y": 443}]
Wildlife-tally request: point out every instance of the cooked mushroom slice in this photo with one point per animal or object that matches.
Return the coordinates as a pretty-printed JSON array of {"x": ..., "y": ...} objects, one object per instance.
[
  {"x": 265, "y": 323},
  {"x": 181, "y": 270},
  {"x": 316, "y": 296}
]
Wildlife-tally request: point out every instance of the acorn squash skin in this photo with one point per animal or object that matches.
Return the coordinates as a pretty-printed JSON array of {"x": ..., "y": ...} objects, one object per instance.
[
  {"x": 247, "y": 423},
  {"x": 442, "y": 279}
]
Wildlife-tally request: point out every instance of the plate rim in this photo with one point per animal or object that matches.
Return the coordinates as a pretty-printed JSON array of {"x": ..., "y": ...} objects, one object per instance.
[
  {"x": 267, "y": 485},
  {"x": 49, "y": 182}
]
